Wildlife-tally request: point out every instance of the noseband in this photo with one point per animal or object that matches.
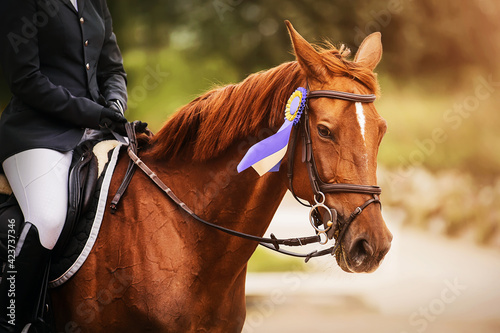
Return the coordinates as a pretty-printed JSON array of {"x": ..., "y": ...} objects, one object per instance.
[{"x": 319, "y": 187}]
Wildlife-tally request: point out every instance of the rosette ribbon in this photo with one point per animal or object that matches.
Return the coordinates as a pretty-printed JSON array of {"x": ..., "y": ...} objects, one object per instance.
[{"x": 266, "y": 155}]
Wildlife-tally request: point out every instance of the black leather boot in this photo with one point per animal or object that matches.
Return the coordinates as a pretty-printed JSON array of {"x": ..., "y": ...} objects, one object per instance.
[{"x": 22, "y": 282}]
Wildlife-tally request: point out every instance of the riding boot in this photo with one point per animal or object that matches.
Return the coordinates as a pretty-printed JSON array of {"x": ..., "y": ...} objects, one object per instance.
[{"x": 22, "y": 283}]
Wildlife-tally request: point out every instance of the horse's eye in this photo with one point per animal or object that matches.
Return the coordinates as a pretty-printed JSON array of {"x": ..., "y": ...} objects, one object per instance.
[{"x": 324, "y": 132}]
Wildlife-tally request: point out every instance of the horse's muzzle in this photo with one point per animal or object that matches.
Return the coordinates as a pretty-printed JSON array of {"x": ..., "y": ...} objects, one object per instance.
[{"x": 362, "y": 253}]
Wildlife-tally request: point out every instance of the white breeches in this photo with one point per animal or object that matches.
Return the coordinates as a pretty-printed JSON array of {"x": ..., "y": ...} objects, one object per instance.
[{"x": 39, "y": 180}]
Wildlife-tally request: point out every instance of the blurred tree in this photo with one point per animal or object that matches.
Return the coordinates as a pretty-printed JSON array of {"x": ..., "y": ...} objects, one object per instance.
[{"x": 420, "y": 37}]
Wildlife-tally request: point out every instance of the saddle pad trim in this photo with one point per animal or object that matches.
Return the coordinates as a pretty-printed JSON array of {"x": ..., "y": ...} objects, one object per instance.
[{"x": 96, "y": 225}]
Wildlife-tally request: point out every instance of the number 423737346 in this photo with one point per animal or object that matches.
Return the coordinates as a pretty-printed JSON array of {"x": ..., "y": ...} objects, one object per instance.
[{"x": 11, "y": 244}]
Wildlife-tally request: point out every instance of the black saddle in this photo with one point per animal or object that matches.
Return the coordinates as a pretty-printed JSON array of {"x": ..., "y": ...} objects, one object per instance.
[{"x": 82, "y": 183}]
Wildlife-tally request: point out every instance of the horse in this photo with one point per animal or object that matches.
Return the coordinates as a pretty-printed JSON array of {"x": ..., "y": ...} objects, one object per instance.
[{"x": 155, "y": 268}]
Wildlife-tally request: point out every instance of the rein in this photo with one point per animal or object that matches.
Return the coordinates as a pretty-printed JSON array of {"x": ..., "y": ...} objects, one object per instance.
[{"x": 319, "y": 187}]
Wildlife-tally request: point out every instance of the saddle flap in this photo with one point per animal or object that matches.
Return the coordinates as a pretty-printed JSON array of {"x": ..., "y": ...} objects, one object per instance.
[
  {"x": 85, "y": 209},
  {"x": 82, "y": 184},
  {"x": 90, "y": 183}
]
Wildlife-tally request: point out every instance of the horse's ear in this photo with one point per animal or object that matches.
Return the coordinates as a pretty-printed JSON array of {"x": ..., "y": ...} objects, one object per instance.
[
  {"x": 370, "y": 51},
  {"x": 308, "y": 58}
]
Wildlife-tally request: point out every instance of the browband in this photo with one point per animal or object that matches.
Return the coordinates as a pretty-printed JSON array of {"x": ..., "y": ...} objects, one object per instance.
[{"x": 342, "y": 95}]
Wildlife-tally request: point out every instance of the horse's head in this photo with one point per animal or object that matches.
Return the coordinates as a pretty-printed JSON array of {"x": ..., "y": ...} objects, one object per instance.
[{"x": 345, "y": 138}]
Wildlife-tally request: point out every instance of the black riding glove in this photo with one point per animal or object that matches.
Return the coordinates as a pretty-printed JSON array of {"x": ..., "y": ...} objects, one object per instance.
[
  {"x": 116, "y": 105},
  {"x": 113, "y": 120},
  {"x": 140, "y": 126}
]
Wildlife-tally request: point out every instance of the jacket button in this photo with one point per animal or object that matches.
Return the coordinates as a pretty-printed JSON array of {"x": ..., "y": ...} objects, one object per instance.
[
  {"x": 82, "y": 20},
  {"x": 87, "y": 42},
  {"x": 87, "y": 66}
]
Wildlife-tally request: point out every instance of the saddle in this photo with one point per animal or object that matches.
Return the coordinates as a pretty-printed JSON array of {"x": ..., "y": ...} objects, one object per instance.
[
  {"x": 83, "y": 177},
  {"x": 90, "y": 175}
]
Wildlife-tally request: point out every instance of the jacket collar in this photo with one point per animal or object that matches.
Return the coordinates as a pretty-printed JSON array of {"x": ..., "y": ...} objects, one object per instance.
[{"x": 81, "y": 4}]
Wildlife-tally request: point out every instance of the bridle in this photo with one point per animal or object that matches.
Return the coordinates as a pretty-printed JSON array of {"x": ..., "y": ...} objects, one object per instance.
[{"x": 319, "y": 187}]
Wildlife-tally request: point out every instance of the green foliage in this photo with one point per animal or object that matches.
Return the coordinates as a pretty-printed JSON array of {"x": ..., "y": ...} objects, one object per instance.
[
  {"x": 160, "y": 81},
  {"x": 420, "y": 37},
  {"x": 440, "y": 130}
]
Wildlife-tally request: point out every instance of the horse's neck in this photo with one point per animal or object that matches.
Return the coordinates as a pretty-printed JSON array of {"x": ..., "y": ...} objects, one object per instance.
[
  {"x": 161, "y": 251},
  {"x": 216, "y": 192}
]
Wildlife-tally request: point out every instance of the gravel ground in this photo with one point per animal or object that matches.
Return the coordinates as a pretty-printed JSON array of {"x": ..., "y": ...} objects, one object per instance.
[{"x": 427, "y": 283}]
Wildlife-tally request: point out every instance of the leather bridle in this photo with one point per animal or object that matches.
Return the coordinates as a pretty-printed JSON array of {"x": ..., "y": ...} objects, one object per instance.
[
  {"x": 319, "y": 187},
  {"x": 317, "y": 184}
]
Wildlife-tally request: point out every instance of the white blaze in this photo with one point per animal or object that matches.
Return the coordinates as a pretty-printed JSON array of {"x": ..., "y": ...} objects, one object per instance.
[{"x": 360, "y": 113}]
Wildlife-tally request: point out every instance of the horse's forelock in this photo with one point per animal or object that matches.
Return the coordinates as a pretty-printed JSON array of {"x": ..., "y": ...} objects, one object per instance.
[{"x": 337, "y": 63}]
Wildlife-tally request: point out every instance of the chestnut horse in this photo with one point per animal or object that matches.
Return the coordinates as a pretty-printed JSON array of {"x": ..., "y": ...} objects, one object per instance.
[{"x": 155, "y": 268}]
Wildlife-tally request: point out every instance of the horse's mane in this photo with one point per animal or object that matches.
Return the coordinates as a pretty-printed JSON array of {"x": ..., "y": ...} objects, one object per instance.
[{"x": 214, "y": 121}]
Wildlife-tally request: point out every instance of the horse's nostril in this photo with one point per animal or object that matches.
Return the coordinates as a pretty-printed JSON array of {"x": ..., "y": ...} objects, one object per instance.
[{"x": 361, "y": 250}]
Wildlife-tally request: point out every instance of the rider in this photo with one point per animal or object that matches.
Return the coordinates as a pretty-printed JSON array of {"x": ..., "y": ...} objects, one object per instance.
[{"x": 64, "y": 69}]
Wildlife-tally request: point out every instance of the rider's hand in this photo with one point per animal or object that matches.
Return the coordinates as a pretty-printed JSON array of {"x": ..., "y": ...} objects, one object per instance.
[
  {"x": 140, "y": 126},
  {"x": 113, "y": 120},
  {"x": 116, "y": 105}
]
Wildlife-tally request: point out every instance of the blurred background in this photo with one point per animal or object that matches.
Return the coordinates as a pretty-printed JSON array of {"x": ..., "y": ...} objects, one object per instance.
[{"x": 439, "y": 162}]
